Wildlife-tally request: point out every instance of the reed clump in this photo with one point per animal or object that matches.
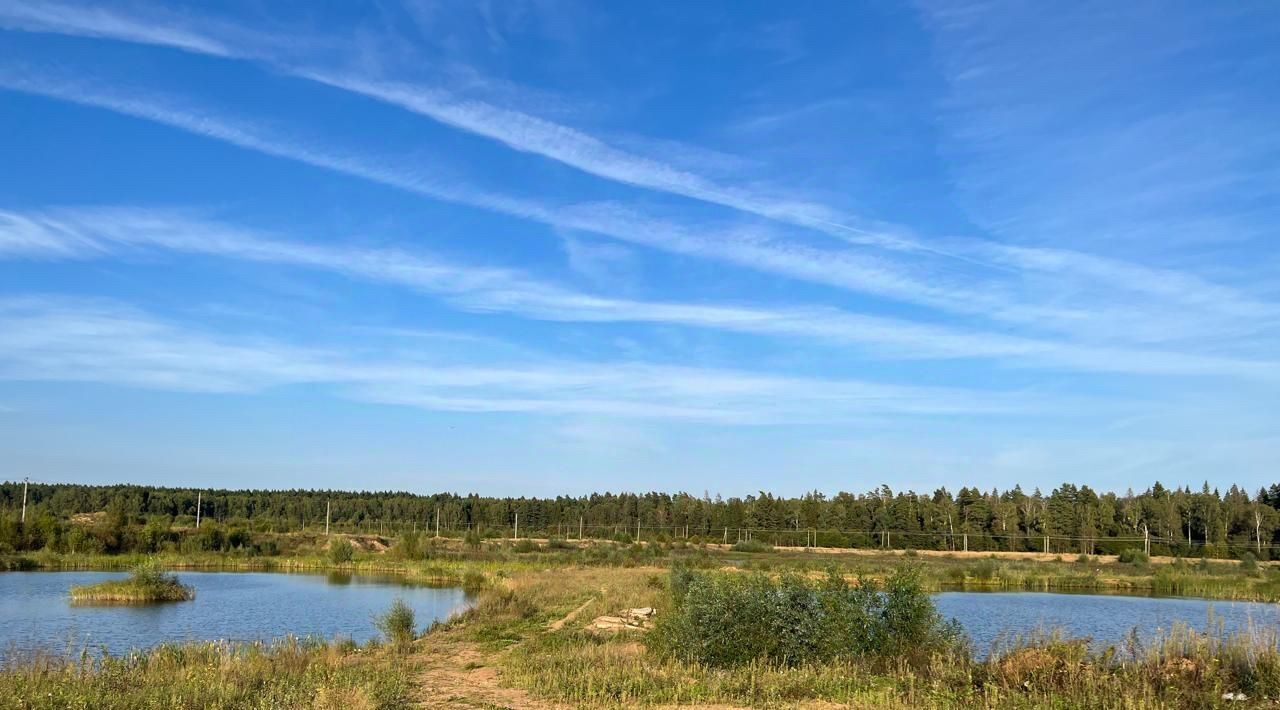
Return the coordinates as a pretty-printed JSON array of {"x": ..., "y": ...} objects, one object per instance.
[{"x": 147, "y": 583}]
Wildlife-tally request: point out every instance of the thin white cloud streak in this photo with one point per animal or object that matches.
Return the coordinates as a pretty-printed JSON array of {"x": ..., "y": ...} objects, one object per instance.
[
  {"x": 569, "y": 146},
  {"x": 101, "y": 23},
  {"x": 1209, "y": 303},
  {"x": 515, "y": 129},
  {"x": 52, "y": 339},
  {"x": 92, "y": 232},
  {"x": 843, "y": 269}
]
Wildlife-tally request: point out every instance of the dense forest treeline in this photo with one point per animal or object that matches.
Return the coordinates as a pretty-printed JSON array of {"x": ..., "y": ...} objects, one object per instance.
[{"x": 1070, "y": 519}]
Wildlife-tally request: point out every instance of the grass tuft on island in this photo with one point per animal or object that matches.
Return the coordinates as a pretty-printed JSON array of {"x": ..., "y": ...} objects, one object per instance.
[{"x": 148, "y": 583}]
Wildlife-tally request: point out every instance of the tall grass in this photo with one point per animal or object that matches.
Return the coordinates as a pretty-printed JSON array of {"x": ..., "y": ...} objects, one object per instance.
[
  {"x": 289, "y": 673},
  {"x": 1182, "y": 669}
]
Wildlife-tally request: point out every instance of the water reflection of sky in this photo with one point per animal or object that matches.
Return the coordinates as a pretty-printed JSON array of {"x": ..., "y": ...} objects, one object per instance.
[
  {"x": 35, "y": 610},
  {"x": 989, "y": 617}
]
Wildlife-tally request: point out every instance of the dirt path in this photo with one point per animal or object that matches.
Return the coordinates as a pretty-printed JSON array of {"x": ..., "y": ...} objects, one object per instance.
[
  {"x": 559, "y": 623},
  {"x": 457, "y": 674}
]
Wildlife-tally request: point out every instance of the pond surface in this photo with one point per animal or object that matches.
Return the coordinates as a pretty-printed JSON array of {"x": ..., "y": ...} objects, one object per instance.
[
  {"x": 36, "y": 612},
  {"x": 989, "y": 617}
]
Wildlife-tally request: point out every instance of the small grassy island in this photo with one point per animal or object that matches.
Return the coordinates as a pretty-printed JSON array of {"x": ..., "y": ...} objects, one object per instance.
[{"x": 147, "y": 583}]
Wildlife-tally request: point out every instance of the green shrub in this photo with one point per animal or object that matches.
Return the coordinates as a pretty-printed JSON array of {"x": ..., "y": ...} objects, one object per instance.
[
  {"x": 728, "y": 620},
  {"x": 558, "y": 543},
  {"x": 752, "y": 546},
  {"x": 341, "y": 551},
  {"x": 472, "y": 539},
  {"x": 622, "y": 538},
  {"x": 409, "y": 547},
  {"x": 985, "y": 570},
  {"x": 397, "y": 625},
  {"x": 148, "y": 583},
  {"x": 1133, "y": 556},
  {"x": 474, "y": 580},
  {"x": 1248, "y": 563},
  {"x": 525, "y": 545}
]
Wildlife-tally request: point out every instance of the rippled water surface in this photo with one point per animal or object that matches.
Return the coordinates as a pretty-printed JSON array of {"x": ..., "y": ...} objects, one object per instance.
[
  {"x": 1107, "y": 619},
  {"x": 35, "y": 611}
]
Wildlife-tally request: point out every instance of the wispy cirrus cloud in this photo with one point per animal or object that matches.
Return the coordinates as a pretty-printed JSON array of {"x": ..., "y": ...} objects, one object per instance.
[
  {"x": 57, "y": 339},
  {"x": 1051, "y": 289},
  {"x": 753, "y": 250},
  {"x": 95, "y": 232},
  {"x": 1047, "y": 139}
]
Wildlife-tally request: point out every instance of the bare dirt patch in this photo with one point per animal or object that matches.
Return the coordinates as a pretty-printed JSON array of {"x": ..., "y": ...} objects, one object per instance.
[{"x": 457, "y": 674}]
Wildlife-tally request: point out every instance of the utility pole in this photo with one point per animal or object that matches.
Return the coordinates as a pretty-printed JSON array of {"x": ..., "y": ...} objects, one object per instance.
[
  {"x": 1146, "y": 540},
  {"x": 198, "y": 494},
  {"x": 517, "y": 525},
  {"x": 25, "y": 481},
  {"x": 437, "y": 521},
  {"x": 327, "y": 506},
  {"x": 579, "y": 527}
]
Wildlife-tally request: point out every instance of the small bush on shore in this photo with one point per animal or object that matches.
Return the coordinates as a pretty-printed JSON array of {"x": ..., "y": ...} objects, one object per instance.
[
  {"x": 729, "y": 620},
  {"x": 341, "y": 551},
  {"x": 472, "y": 539},
  {"x": 397, "y": 625},
  {"x": 752, "y": 546},
  {"x": 1133, "y": 556},
  {"x": 474, "y": 580}
]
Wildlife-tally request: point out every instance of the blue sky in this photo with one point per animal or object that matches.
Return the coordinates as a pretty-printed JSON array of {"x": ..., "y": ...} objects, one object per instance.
[{"x": 537, "y": 247}]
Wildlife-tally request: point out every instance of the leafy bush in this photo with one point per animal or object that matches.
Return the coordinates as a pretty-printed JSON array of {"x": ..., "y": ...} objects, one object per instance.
[
  {"x": 622, "y": 538},
  {"x": 397, "y": 624},
  {"x": 558, "y": 543},
  {"x": 985, "y": 570},
  {"x": 341, "y": 551},
  {"x": 1133, "y": 556},
  {"x": 474, "y": 580},
  {"x": 1248, "y": 563},
  {"x": 472, "y": 539},
  {"x": 409, "y": 547},
  {"x": 727, "y": 620},
  {"x": 752, "y": 546}
]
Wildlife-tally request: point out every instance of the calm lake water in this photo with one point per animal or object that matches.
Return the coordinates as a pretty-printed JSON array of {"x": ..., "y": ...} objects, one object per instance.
[
  {"x": 1107, "y": 619},
  {"x": 35, "y": 611}
]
